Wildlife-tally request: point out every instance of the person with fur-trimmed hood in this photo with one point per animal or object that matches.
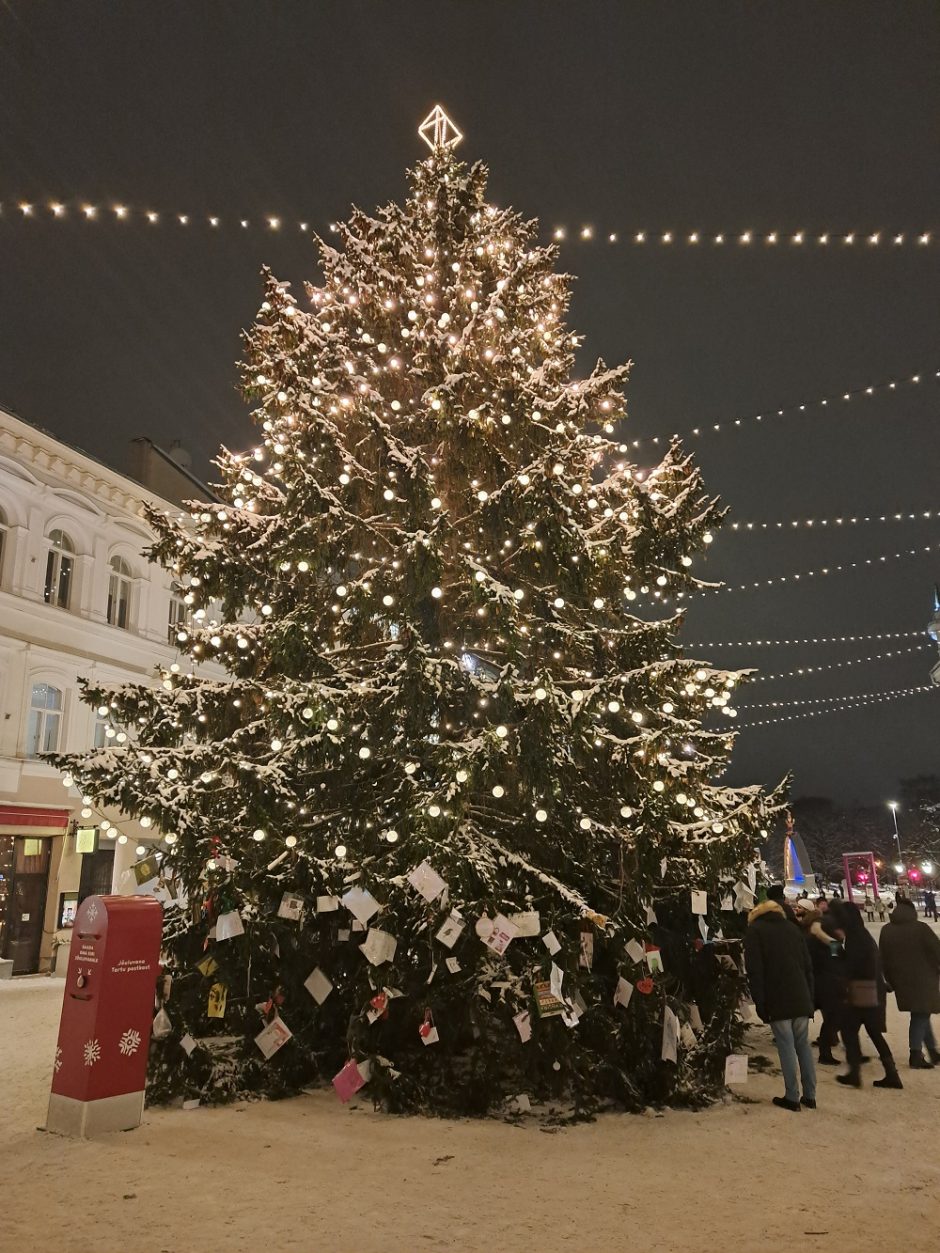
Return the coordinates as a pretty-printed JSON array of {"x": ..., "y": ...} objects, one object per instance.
[
  {"x": 780, "y": 975},
  {"x": 910, "y": 955}
]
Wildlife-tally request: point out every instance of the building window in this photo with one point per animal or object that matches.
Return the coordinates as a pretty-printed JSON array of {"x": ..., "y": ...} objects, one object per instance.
[
  {"x": 102, "y": 725},
  {"x": 45, "y": 720},
  {"x": 3, "y": 542},
  {"x": 178, "y": 615},
  {"x": 119, "y": 593},
  {"x": 59, "y": 564}
]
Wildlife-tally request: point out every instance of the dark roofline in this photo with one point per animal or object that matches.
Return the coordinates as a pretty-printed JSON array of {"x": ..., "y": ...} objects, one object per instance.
[{"x": 187, "y": 474}]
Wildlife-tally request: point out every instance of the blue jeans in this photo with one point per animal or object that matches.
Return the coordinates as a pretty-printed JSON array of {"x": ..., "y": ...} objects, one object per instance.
[
  {"x": 791, "y": 1036},
  {"x": 921, "y": 1033}
]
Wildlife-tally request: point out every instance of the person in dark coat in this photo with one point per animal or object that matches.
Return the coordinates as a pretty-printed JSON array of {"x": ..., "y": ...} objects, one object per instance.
[
  {"x": 828, "y": 962},
  {"x": 910, "y": 954},
  {"x": 867, "y": 997},
  {"x": 930, "y": 905},
  {"x": 781, "y": 978}
]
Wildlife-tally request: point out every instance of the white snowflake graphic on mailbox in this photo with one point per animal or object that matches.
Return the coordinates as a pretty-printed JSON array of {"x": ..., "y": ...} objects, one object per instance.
[
  {"x": 129, "y": 1042},
  {"x": 91, "y": 913},
  {"x": 58, "y": 1060},
  {"x": 92, "y": 1052}
]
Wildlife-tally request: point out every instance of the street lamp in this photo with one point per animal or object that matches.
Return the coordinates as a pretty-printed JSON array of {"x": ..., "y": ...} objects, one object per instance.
[
  {"x": 927, "y": 867},
  {"x": 893, "y": 806},
  {"x": 899, "y": 868}
]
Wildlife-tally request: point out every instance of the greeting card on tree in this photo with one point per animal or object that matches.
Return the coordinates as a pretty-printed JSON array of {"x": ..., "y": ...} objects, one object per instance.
[
  {"x": 348, "y": 1082},
  {"x": 449, "y": 931},
  {"x": 273, "y": 1037},
  {"x": 291, "y": 906},
  {"x": 501, "y": 935},
  {"x": 218, "y": 995},
  {"x": 379, "y": 946},
  {"x": 736, "y": 1068},
  {"x": 361, "y": 904},
  {"x": 229, "y": 925},
  {"x": 318, "y": 985},
  {"x": 427, "y": 881}
]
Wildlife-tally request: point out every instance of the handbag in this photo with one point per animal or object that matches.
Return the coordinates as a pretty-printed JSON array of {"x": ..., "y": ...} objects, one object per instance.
[{"x": 863, "y": 993}]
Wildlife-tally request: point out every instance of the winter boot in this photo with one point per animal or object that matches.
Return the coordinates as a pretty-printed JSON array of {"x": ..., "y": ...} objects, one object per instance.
[
  {"x": 891, "y": 1080},
  {"x": 919, "y": 1062},
  {"x": 826, "y": 1058},
  {"x": 934, "y": 1055},
  {"x": 853, "y": 1079}
]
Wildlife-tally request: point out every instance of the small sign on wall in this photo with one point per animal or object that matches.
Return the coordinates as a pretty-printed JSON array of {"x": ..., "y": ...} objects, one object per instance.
[{"x": 86, "y": 840}]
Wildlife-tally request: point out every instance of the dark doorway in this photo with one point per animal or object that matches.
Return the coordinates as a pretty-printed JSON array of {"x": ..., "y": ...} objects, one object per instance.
[
  {"x": 97, "y": 873},
  {"x": 24, "y": 867}
]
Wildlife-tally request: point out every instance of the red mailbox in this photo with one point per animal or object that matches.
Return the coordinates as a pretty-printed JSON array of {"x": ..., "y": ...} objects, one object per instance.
[{"x": 104, "y": 1033}]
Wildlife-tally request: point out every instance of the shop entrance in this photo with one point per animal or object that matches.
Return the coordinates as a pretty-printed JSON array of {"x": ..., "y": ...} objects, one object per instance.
[{"x": 24, "y": 877}]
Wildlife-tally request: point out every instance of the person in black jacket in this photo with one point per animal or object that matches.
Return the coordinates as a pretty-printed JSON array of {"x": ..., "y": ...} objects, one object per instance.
[
  {"x": 910, "y": 954},
  {"x": 781, "y": 977},
  {"x": 867, "y": 997},
  {"x": 825, "y": 953}
]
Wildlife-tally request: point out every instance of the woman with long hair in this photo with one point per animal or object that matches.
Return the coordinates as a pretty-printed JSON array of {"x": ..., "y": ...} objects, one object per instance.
[{"x": 867, "y": 998}]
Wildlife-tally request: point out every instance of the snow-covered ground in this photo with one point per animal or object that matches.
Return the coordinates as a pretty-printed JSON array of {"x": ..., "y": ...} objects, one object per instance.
[{"x": 310, "y": 1174}]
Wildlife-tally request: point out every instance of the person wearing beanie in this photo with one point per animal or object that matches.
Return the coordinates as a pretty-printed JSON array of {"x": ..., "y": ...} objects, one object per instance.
[
  {"x": 910, "y": 954},
  {"x": 780, "y": 975},
  {"x": 867, "y": 997},
  {"x": 776, "y": 893}
]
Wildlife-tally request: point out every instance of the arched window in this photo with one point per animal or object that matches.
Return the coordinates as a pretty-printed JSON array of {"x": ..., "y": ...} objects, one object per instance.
[
  {"x": 119, "y": 593},
  {"x": 45, "y": 720},
  {"x": 59, "y": 564},
  {"x": 178, "y": 615}
]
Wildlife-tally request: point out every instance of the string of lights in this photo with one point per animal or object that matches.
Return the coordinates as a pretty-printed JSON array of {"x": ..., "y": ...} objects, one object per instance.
[
  {"x": 833, "y": 401},
  {"x": 861, "y": 703},
  {"x": 835, "y": 523},
  {"x": 842, "y": 567},
  {"x": 810, "y": 639},
  {"x": 802, "y": 671},
  {"x": 59, "y": 210},
  {"x": 834, "y": 700},
  {"x": 805, "y": 239}
]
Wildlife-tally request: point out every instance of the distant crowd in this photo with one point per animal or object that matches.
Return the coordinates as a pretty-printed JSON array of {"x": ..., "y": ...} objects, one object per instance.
[{"x": 818, "y": 955}]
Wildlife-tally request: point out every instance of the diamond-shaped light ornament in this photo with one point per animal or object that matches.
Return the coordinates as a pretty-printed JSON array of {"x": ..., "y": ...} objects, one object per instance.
[{"x": 438, "y": 131}]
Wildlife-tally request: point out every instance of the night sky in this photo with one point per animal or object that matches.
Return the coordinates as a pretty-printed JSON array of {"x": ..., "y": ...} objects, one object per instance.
[{"x": 709, "y": 115}]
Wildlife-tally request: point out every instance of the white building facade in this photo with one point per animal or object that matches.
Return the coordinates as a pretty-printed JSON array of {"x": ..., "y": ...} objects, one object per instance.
[{"x": 77, "y": 600}]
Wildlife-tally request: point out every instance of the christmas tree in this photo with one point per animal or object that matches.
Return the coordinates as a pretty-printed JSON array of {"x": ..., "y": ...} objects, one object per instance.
[{"x": 438, "y": 826}]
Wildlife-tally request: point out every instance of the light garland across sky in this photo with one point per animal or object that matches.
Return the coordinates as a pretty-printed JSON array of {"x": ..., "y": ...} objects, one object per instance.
[
  {"x": 834, "y": 523},
  {"x": 121, "y": 211},
  {"x": 805, "y": 239},
  {"x": 801, "y": 671},
  {"x": 860, "y": 702},
  {"x": 833, "y": 401},
  {"x": 837, "y": 700},
  {"x": 810, "y": 639},
  {"x": 839, "y": 568}
]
